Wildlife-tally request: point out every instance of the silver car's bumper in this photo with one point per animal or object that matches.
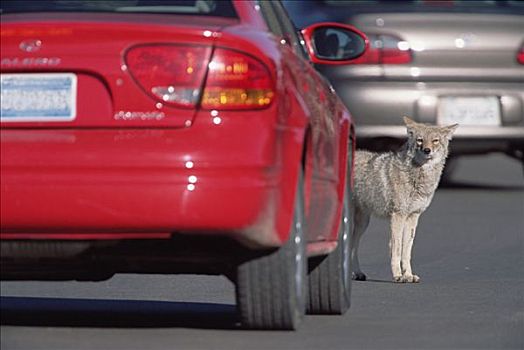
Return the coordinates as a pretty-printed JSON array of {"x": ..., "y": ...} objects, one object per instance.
[{"x": 378, "y": 107}]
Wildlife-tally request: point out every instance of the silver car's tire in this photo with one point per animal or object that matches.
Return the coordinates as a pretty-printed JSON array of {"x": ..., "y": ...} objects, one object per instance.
[{"x": 271, "y": 289}]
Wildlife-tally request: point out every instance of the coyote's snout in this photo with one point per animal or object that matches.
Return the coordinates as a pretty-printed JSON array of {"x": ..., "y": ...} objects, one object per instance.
[{"x": 399, "y": 186}]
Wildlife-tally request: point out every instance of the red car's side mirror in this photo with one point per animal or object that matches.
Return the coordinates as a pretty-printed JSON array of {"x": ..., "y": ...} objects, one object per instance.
[{"x": 334, "y": 43}]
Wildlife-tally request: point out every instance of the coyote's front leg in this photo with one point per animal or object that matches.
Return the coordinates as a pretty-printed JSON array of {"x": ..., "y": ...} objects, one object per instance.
[
  {"x": 407, "y": 245},
  {"x": 398, "y": 222}
]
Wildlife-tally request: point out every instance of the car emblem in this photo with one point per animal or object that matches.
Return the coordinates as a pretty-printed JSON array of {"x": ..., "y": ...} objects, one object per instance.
[{"x": 30, "y": 45}]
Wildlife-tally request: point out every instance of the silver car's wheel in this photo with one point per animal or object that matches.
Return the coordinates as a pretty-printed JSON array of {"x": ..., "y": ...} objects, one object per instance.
[{"x": 270, "y": 289}]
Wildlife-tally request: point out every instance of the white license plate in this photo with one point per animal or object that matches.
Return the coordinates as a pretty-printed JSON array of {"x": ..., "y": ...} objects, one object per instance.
[
  {"x": 38, "y": 97},
  {"x": 469, "y": 110}
]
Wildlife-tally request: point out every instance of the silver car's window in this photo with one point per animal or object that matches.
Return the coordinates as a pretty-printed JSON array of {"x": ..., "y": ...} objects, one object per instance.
[
  {"x": 304, "y": 13},
  {"x": 449, "y": 4}
]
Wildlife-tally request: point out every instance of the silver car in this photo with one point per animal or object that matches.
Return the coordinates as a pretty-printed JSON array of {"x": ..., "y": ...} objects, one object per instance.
[{"x": 438, "y": 62}]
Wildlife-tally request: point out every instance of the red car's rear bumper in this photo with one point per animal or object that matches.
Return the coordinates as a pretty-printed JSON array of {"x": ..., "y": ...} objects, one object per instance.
[{"x": 138, "y": 183}]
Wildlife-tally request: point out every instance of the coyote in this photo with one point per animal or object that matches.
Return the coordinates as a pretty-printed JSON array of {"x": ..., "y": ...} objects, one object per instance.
[{"x": 399, "y": 186}]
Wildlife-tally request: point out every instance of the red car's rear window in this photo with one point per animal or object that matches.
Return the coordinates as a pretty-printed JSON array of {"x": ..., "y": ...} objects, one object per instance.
[{"x": 220, "y": 8}]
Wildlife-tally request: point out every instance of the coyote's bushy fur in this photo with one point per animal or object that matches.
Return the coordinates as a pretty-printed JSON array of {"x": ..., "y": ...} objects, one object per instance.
[{"x": 399, "y": 186}]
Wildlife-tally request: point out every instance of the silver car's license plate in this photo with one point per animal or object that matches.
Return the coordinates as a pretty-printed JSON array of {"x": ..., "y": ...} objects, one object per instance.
[
  {"x": 483, "y": 110},
  {"x": 38, "y": 97}
]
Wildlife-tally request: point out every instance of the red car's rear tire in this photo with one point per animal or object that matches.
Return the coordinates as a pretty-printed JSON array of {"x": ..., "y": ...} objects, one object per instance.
[
  {"x": 270, "y": 289},
  {"x": 329, "y": 279}
]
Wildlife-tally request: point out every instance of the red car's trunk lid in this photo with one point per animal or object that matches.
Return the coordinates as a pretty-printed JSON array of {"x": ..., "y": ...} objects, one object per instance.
[{"x": 70, "y": 70}]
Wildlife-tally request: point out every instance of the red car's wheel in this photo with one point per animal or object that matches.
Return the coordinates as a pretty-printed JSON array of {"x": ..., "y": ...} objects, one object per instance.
[
  {"x": 330, "y": 276},
  {"x": 270, "y": 290}
]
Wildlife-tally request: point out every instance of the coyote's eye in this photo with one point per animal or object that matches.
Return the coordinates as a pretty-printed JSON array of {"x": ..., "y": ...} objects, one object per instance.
[
  {"x": 436, "y": 141},
  {"x": 420, "y": 140}
]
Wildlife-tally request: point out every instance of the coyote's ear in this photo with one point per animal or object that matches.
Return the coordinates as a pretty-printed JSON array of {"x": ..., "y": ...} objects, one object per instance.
[
  {"x": 408, "y": 121},
  {"x": 410, "y": 124},
  {"x": 449, "y": 130}
]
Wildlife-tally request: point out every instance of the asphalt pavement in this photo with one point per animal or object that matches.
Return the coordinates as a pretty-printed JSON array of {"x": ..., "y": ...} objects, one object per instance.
[{"x": 469, "y": 253}]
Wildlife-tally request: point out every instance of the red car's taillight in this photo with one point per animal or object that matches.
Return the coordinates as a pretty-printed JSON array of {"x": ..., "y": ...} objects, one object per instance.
[
  {"x": 237, "y": 81},
  {"x": 173, "y": 74},
  {"x": 520, "y": 56},
  {"x": 176, "y": 75},
  {"x": 386, "y": 49}
]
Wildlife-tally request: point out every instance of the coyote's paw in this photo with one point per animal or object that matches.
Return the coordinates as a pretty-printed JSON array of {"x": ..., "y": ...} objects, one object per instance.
[
  {"x": 414, "y": 279},
  {"x": 358, "y": 276},
  {"x": 406, "y": 279},
  {"x": 398, "y": 279}
]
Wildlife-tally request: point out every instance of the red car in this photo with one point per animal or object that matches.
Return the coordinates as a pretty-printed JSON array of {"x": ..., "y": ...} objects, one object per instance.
[{"x": 176, "y": 137}]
